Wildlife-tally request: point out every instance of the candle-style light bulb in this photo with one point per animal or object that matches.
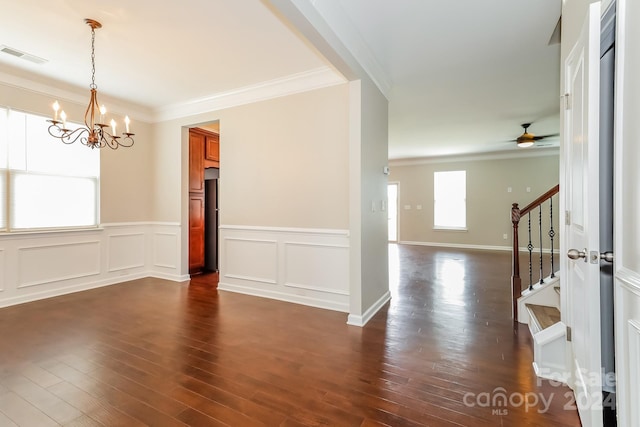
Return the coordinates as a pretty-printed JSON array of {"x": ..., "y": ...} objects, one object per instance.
[
  {"x": 63, "y": 116},
  {"x": 56, "y": 107},
  {"x": 103, "y": 111},
  {"x": 126, "y": 122},
  {"x": 113, "y": 127}
]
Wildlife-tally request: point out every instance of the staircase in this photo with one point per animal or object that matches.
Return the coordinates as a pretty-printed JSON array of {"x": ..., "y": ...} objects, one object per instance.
[{"x": 538, "y": 303}]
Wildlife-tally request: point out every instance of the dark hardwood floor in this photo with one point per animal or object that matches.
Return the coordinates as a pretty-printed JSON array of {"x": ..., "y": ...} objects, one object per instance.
[{"x": 158, "y": 353}]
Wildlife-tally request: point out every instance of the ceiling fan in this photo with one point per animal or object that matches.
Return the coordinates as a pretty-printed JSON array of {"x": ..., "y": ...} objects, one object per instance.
[{"x": 528, "y": 139}]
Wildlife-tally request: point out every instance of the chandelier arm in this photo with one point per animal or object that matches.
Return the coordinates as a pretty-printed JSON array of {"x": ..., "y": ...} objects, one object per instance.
[
  {"x": 114, "y": 141},
  {"x": 65, "y": 135}
]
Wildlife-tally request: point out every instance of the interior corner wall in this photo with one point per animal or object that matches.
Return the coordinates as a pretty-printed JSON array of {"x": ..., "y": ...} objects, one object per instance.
[
  {"x": 368, "y": 183},
  {"x": 126, "y": 246},
  {"x": 125, "y": 174},
  {"x": 283, "y": 195},
  {"x": 488, "y": 199}
]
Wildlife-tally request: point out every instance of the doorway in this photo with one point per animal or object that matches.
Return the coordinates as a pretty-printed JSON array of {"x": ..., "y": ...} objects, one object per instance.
[
  {"x": 204, "y": 163},
  {"x": 392, "y": 211}
]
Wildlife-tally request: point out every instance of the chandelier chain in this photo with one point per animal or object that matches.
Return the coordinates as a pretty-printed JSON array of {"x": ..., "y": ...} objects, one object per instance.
[{"x": 93, "y": 59}]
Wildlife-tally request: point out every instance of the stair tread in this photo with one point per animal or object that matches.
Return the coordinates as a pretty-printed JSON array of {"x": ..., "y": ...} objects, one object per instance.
[{"x": 543, "y": 315}]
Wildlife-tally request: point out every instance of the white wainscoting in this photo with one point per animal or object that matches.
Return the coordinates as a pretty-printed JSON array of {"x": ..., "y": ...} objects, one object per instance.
[
  {"x": 40, "y": 265},
  {"x": 304, "y": 266}
]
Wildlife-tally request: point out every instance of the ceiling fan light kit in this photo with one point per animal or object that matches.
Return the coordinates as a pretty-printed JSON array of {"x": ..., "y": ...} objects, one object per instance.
[{"x": 528, "y": 139}]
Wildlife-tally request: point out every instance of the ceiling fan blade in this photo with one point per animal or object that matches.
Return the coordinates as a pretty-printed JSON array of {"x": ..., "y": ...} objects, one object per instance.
[{"x": 538, "y": 137}]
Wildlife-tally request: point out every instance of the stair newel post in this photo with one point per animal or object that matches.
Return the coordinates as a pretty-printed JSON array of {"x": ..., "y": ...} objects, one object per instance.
[{"x": 516, "y": 282}]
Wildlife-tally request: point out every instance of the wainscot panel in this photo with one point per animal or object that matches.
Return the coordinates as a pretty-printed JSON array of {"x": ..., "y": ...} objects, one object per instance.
[
  {"x": 42, "y": 264},
  {"x": 3, "y": 269},
  {"x": 36, "y": 265},
  {"x": 126, "y": 251},
  {"x": 304, "y": 266}
]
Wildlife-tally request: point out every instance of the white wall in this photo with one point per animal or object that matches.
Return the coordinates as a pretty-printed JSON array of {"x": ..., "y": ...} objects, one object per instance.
[
  {"x": 488, "y": 199},
  {"x": 283, "y": 199}
]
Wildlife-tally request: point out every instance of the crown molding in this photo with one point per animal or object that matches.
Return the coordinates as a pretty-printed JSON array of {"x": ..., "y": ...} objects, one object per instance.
[
  {"x": 289, "y": 85},
  {"x": 73, "y": 94},
  {"x": 498, "y": 155}
]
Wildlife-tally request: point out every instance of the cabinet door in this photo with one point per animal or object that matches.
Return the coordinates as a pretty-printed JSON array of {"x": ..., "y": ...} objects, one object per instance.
[
  {"x": 212, "y": 148},
  {"x": 196, "y": 162},
  {"x": 196, "y": 232}
]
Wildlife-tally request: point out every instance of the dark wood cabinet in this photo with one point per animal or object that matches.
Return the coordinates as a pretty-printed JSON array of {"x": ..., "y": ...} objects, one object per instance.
[
  {"x": 204, "y": 152},
  {"x": 196, "y": 232},
  {"x": 196, "y": 162},
  {"x": 212, "y": 147}
]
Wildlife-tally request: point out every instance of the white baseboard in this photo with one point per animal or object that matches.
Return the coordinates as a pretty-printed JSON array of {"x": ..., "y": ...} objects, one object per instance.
[
  {"x": 170, "y": 277},
  {"x": 361, "y": 320},
  {"x": 457, "y": 245},
  {"x": 282, "y": 296},
  {"x": 469, "y": 246},
  {"x": 65, "y": 290}
]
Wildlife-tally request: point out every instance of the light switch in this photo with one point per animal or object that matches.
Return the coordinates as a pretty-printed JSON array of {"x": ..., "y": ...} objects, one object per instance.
[
  {"x": 407, "y": 207},
  {"x": 419, "y": 207},
  {"x": 509, "y": 189},
  {"x": 528, "y": 189}
]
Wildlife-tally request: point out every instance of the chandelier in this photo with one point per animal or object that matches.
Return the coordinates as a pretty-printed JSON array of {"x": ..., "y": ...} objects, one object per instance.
[{"x": 95, "y": 133}]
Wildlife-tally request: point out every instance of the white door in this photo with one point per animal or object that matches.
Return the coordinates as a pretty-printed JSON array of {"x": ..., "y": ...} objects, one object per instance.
[
  {"x": 627, "y": 212},
  {"x": 582, "y": 275}
]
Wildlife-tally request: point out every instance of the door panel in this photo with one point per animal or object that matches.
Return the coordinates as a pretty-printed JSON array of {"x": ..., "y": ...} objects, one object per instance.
[{"x": 581, "y": 145}]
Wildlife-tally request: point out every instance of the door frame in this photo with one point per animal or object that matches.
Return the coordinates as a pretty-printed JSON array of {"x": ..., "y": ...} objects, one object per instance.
[
  {"x": 626, "y": 194},
  {"x": 397, "y": 184}
]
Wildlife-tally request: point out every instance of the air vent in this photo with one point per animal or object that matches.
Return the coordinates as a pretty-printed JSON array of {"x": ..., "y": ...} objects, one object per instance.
[{"x": 22, "y": 55}]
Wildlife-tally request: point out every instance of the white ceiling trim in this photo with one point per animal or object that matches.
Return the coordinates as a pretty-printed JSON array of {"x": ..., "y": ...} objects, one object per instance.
[
  {"x": 520, "y": 153},
  {"x": 289, "y": 85}
]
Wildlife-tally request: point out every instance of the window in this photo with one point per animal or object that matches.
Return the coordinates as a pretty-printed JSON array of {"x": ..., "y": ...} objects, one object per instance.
[
  {"x": 450, "y": 200},
  {"x": 44, "y": 183}
]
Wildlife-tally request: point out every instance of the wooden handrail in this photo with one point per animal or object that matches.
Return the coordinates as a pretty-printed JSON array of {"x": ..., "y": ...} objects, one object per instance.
[
  {"x": 516, "y": 214},
  {"x": 537, "y": 202}
]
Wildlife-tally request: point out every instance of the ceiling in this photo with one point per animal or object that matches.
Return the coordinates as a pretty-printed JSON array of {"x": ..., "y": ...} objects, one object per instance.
[{"x": 462, "y": 75}]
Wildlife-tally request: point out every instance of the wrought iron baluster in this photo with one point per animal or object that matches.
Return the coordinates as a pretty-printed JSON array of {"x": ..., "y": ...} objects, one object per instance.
[
  {"x": 530, "y": 248},
  {"x": 551, "y": 235},
  {"x": 540, "y": 230}
]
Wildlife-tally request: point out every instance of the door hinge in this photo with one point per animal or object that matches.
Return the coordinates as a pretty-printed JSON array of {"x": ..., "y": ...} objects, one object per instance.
[
  {"x": 567, "y": 101},
  {"x": 569, "y": 333},
  {"x": 567, "y": 218}
]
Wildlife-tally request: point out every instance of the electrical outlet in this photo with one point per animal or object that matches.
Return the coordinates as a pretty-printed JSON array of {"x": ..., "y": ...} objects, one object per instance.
[{"x": 504, "y": 236}]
